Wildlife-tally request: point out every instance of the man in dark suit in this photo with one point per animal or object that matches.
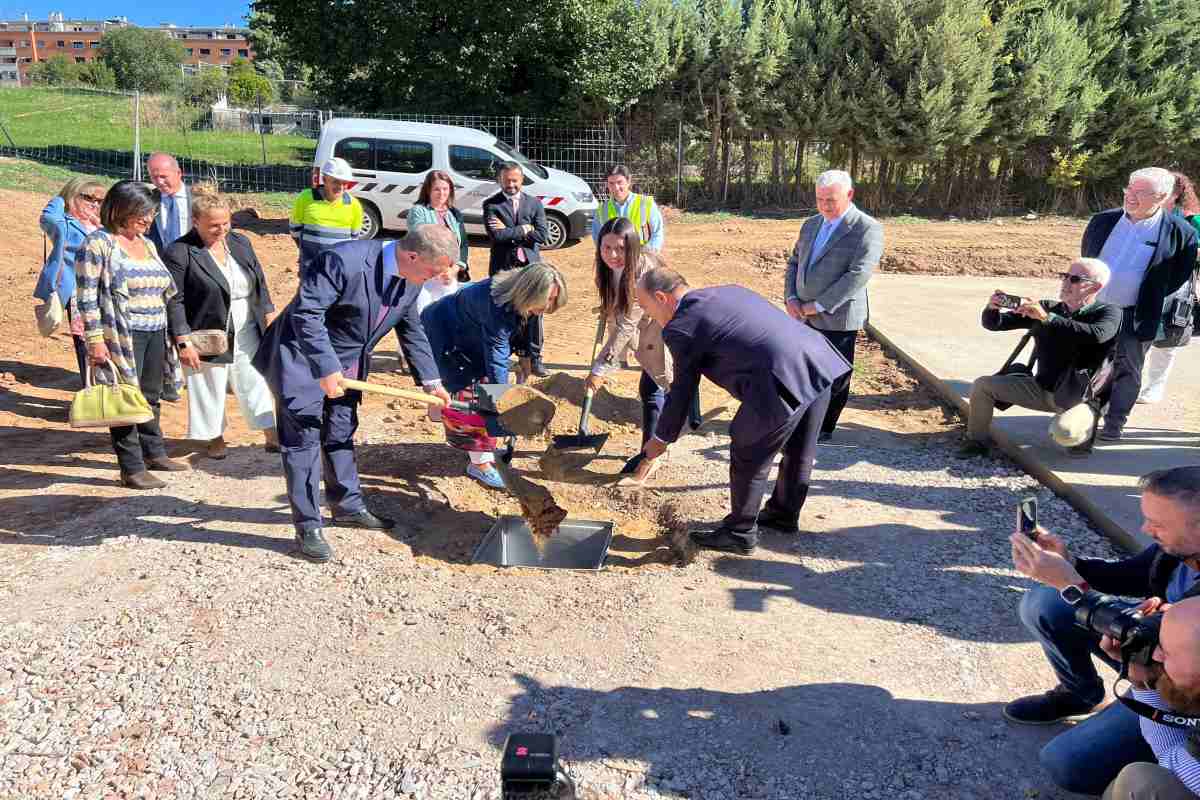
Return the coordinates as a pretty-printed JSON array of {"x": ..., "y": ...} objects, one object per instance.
[
  {"x": 353, "y": 295},
  {"x": 174, "y": 219},
  {"x": 1151, "y": 253},
  {"x": 779, "y": 369},
  {"x": 516, "y": 226},
  {"x": 826, "y": 280}
]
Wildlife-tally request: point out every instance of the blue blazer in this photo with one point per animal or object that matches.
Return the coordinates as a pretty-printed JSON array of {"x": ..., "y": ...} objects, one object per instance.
[
  {"x": 470, "y": 336},
  {"x": 336, "y": 319},
  {"x": 737, "y": 339},
  {"x": 66, "y": 235}
]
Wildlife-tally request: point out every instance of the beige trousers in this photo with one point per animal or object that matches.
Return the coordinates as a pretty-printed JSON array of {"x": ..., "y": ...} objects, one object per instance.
[
  {"x": 1020, "y": 390},
  {"x": 1144, "y": 781}
]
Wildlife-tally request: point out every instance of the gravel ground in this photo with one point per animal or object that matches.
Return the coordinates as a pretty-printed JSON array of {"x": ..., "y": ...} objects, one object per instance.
[{"x": 171, "y": 645}]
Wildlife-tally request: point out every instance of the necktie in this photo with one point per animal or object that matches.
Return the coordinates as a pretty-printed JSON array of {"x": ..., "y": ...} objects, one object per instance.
[
  {"x": 170, "y": 220},
  {"x": 516, "y": 205}
]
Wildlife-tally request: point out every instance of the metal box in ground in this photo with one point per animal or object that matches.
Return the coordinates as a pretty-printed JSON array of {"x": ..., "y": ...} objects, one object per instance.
[{"x": 577, "y": 544}]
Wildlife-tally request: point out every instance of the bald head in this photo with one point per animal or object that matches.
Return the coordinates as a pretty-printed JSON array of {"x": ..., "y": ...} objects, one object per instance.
[
  {"x": 1179, "y": 653},
  {"x": 164, "y": 172}
]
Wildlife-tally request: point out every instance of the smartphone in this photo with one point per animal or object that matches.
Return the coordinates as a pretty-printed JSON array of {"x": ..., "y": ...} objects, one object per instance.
[
  {"x": 1027, "y": 517},
  {"x": 1009, "y": 300}
]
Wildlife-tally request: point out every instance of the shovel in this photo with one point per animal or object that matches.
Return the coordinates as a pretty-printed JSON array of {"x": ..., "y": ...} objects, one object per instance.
[
  {"x": 585, "y": 439},
  {"x": 405, "y": 394}
]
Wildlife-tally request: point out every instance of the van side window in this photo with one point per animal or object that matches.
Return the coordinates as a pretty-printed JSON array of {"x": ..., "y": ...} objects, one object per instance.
[
  {"x": 407, "y": 157},
  {"x": 472, "y": 162},
  {"x": 357, "y": 153}
]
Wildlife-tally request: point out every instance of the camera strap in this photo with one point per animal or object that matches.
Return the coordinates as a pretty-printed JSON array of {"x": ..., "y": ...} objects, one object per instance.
[{"x": 1168, "y": 718}]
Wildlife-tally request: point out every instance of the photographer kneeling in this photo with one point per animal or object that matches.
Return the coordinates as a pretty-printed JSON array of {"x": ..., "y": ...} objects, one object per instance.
[
  {"x": 1073, "y": 334},
  {"x": 1087, "y": 758}
]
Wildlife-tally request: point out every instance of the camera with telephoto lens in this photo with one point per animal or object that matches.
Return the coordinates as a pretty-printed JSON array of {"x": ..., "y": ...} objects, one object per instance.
[{"x": 1110, "y": 616}]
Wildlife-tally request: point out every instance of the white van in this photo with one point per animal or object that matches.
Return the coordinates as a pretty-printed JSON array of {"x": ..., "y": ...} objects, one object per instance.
[{"x": 390, "y": 160}]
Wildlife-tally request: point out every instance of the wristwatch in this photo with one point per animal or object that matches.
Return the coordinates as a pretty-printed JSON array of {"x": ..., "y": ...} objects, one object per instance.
[{"x": 1072, "y": 594}]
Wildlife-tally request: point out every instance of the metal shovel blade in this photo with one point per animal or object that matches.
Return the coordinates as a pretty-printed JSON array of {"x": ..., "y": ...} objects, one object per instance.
[{"x": 584, "y": 440}]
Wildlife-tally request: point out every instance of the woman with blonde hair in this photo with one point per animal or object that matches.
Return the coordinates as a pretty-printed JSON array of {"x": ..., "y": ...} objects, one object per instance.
[
  {"x": 221, "y": 288},
  {"x": 473, "y": 332},
  {"x": 67, "y": 220}
]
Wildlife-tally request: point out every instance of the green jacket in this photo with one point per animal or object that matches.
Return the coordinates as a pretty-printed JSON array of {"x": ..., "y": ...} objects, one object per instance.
[{"x": 424, "y": 215}]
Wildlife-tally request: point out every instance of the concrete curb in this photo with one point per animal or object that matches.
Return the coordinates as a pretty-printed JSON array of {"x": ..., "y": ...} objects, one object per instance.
[{"x": 1044, "y": 474}]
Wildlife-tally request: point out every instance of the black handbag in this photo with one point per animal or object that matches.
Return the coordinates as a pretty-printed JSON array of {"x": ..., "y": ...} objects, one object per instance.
[{"x": 1179, "y": 322}]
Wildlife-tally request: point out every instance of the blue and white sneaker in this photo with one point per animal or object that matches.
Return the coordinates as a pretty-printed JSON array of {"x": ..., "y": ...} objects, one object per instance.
[{"x": 490, "y": 478}]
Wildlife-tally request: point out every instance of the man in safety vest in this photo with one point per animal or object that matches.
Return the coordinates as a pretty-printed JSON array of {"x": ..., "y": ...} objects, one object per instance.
[
  {"x": 640, "y": 209},
  {"x": 327, "y": 214}
]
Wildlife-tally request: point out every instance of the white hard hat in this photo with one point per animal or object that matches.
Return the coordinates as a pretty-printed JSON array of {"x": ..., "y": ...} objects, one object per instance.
[
  {"x": 337, "y": 168},
  {"x": 1073, "y": 426}
]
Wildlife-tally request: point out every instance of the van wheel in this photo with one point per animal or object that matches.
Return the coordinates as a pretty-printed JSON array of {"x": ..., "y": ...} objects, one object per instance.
[
  {"x": 372, "y": 223},
  {"x": 557, "y": 229}
]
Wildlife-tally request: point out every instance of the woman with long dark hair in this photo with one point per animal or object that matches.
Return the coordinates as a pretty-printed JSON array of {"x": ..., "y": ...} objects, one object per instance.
[
  {"x": 124, "y": 291},
  {"x": 620, "y": 261}
]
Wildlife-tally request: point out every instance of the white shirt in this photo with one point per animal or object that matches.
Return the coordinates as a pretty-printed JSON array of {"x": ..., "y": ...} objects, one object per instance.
[
  {"x": 434, "y": 289},
  {"x": 1127, "y": 251}
]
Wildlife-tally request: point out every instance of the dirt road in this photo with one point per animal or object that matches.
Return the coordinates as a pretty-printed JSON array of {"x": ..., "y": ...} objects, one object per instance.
[{"x": 168, "y": 644}]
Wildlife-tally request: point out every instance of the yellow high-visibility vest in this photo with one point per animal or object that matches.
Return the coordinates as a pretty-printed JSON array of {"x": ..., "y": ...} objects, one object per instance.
[{"x": 639, "y": 213}]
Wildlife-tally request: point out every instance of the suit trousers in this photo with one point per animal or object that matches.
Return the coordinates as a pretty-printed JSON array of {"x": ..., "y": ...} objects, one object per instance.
[
  {"x": 135, "y": 443},
  {"x": 843, "y": 342},
  {"x": 1129, "y": 355},
  {"x": 1144, "y": 780},
  {"x": 750, "y": 464},
  {"x": 317, "y": 439},
  {"x": 654, "y": 399},
  {"x": 536, "y": 336}
]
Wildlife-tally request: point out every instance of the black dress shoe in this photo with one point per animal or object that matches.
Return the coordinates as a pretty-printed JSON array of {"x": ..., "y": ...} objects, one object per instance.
[
  {"x": 363, "y": 519},
  {"x": 538, "y": 368},
  {"x": 313, "y": 545},
  {"x": 779, "y": 520},
  {"x": 726, "y": 540}
]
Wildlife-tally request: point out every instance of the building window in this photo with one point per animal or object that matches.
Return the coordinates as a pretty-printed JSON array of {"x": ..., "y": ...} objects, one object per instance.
[
  {"x": 76, "y": 45},
  {"x": 204, "y": 51},
  {"x": 225, "y": 51},
  {"x": 60, "y": 43},
  {"x": 189, "y": 51},
  {"x": 24, "y": 44},
  {"x": 244, "y": 53},
  {"x": 80, "y": 60}
]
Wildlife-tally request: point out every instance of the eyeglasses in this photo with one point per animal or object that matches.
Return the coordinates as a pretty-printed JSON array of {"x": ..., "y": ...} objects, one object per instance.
[
  {"x": 91, "y": 198},
  {"x": 1067, "y": 276}
]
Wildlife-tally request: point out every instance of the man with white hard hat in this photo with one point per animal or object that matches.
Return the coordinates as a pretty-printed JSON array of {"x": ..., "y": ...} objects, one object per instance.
[{"x": 326, "y": 214}]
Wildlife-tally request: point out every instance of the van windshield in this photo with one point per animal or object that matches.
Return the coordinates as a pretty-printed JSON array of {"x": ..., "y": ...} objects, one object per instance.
[{"x": 526, "y": 164}]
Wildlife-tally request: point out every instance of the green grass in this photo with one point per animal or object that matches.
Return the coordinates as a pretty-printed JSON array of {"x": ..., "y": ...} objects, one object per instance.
[{"x": 40, "y": 117}]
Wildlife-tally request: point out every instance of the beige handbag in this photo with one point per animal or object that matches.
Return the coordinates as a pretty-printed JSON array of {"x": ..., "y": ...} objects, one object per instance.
[{"x": 210, "y": 341}]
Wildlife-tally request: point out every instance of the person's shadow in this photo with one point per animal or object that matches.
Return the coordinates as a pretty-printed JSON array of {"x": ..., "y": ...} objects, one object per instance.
[{"x": 816, "y": 734}]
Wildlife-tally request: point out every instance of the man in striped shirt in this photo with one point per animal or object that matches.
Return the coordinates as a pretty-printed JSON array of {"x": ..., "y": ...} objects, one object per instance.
[{"x": 1172, "y": 683}]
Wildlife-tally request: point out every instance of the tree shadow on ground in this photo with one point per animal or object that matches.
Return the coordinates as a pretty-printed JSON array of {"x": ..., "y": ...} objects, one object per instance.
[
  {"x": 50, "y": 409},
  {"x": 704, "y": 740}
]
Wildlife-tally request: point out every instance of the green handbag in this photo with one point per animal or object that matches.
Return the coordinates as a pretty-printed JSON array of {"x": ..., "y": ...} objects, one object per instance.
[{"x": 110, "y": 405}]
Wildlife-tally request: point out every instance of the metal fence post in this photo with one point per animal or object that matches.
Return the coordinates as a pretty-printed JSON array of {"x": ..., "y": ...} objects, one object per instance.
[
  {"x": 137, "y": 135},
  {"x": 517, "y": 133},
  {"x": 679, "y": 168}
]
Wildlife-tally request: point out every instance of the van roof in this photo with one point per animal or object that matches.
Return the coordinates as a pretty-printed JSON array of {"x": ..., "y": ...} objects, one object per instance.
[{"x": 394, "y": 127}]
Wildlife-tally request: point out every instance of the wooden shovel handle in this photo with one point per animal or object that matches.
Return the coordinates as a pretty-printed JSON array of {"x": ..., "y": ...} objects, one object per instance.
[{"x": 406, "y": 394}]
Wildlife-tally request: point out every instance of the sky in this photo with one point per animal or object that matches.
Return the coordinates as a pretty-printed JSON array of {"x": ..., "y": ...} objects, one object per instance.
[{"x": 181, "y": 12}]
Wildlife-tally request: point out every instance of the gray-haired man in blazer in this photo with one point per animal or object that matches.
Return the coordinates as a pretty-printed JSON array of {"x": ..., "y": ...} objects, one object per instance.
[{"x": 826, "y": 282}]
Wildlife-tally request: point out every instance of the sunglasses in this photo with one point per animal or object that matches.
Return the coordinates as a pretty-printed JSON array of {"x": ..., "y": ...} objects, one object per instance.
[{"x": 1066, "y": 276}]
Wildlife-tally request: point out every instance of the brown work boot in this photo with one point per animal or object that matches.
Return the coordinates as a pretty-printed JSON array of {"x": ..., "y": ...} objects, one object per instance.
[
  {"x": 216, "y": 448},
  {"x": 164, "y": 464},
  {"x": 141, "y": 480}
]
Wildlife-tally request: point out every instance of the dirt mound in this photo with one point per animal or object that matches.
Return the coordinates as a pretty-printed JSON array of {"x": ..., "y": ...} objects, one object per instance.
[{"x": 611, "y": 413}]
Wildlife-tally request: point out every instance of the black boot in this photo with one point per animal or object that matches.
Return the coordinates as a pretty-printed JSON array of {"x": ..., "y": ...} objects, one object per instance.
[{"x": 313, "y": 545}]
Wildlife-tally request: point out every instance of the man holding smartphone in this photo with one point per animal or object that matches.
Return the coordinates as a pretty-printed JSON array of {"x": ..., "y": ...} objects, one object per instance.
[
  {"x": 1089, "y": 756},
  {"x": 1072, "y": 334}
]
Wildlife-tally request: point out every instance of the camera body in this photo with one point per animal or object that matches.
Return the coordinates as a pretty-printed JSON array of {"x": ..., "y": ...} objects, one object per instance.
[
  {"x": 1110, "y": 616},
  {"x": 529, "y": 767},
  {"x": 1012, "y": 301}
]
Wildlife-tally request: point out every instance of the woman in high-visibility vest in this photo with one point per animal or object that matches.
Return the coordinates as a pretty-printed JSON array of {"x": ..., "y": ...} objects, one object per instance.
[
  {"x": 327, "y": 214},
  {"x": 640, "y": 209}
]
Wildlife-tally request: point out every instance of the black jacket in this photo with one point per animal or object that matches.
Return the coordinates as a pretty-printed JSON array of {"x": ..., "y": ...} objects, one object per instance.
[
  {"x": 1145, "y": 575},
  {"x": 1171, "y": 266},
  {"x": 1065, "y": 341},
  {"x": 506, "y": 241},
  {"x": 203, "y": 291}
]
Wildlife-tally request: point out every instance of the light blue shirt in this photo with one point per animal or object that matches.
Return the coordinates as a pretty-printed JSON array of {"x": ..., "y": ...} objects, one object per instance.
[
  {"x": 1127, "y": 252},
  {"x": 657, "y": 238},
  {"x": 827, "y": 229}
]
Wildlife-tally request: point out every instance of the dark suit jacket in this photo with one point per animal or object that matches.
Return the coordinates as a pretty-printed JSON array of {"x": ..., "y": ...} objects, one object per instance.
[
  {"x": 1171, "y": 266},
  {"x": 737, "y": 339},
  {"x": 507, "y": 241},
  {"x": 155, "y": 233},
  {"x": 203, "y": 291},
  {"x": 335, "y": 320}
]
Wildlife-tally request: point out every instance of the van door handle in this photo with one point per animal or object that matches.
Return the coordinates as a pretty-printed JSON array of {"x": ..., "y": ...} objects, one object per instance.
[{"x": 364, "y": 174}]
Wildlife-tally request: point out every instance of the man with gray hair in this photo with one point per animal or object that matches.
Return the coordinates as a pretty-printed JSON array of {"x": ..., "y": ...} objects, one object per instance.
[
  {"x": 1152, "y": 253},
  {"x": 350, "y": 296},
  {"x": 1071, "y": 339},
  {"x": 825, "y": 284}
]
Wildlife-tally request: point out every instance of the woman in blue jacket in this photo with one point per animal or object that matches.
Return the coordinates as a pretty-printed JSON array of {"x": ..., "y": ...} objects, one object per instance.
[
  {"x": 67, "y": 220},
  {"x": 472, "y": 334}
]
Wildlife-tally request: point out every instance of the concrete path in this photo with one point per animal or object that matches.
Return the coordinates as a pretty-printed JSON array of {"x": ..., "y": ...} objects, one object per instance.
[{"x": 933, "y": 323}]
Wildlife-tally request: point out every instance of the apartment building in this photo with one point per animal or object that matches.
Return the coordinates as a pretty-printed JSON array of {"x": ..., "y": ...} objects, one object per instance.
[{"x": 25, "y": 42}]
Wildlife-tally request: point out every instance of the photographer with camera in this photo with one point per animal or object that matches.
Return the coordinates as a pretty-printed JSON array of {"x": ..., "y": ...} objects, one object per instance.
[
  {"x": 1087, "y": 758},
  {"x": 1071, "y": 339}
]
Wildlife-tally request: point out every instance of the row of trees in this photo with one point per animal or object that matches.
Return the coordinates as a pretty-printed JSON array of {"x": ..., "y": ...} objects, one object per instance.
[
  {"x": 928, "y": 102},
  {"x": 140, "y": 59}
]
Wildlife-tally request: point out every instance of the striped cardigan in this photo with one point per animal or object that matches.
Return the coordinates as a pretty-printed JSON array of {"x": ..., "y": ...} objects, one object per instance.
[{"x": 103, "y": 294}]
